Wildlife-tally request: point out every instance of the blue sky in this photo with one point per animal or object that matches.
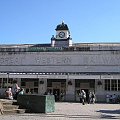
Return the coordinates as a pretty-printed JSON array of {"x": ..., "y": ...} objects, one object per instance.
[{"x": 34, "y": 21}]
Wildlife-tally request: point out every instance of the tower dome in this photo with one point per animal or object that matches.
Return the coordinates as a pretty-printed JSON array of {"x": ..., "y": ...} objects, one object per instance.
[{"x": 62, "y": 26}]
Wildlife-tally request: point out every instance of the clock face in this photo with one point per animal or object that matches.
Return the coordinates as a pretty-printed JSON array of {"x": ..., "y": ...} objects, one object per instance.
[{"x": 61, "y": 34}]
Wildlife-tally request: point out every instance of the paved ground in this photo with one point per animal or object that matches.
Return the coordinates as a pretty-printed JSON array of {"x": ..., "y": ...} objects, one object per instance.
[{"x": 73, "y": 111}]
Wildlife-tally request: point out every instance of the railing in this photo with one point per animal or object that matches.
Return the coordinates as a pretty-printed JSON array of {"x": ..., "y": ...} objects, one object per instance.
[{"x": 47, "y": 48}]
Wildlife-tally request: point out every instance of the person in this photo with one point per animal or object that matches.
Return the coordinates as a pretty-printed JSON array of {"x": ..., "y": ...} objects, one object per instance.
[
  {"x": 15, "y": 89},
  {"x": 114, "y": 98},
  {"x": 8, "y": 94},
  {"x": 110, "y": 98},
  {"x": 107, "y": 98},
  {"x": 45, "y": 93},
  {"x": 62, "y": 96},
  {"x": 93, "y": 98},
  {"x": 89, "y": 97},
  {"x": 56, "y": 96},
  {"x": 48, "y": 93},
  {"x": 83, "y": 96}
]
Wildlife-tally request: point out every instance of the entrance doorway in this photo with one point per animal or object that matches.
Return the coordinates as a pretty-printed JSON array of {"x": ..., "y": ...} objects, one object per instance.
[
  {"x": 57, "y": 87},
  {"x": 84, "y": 84}
]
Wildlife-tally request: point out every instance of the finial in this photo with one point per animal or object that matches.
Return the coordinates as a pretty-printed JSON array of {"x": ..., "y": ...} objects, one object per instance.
[{"x": 62, "y": 22}]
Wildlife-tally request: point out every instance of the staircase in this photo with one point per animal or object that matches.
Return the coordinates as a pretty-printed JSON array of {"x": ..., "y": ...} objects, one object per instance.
[{"x": 11, "y": 107}]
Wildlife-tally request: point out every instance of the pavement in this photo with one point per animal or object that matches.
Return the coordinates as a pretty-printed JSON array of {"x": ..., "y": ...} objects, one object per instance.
[{"x": 73, "y": 111}]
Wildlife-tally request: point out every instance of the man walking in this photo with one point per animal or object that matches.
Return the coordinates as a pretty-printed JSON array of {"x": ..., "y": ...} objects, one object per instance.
[{"x": 83, "y": 97}]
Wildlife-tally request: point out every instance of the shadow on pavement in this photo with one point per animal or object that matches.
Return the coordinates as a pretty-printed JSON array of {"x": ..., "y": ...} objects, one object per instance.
[
  {"x": 110, "y": 111},
  {"x": 110, "y": 114}
]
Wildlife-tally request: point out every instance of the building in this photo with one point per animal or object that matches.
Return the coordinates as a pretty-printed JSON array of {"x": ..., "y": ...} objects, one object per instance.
[{"x": 62, "y": 67}]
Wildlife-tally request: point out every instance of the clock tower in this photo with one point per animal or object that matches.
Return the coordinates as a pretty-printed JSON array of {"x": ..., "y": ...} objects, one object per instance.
[{"x": 62, "y": 38}]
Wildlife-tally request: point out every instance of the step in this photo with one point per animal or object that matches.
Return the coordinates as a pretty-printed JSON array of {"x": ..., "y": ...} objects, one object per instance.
[
  {"x": 11, "y": 107},
  {"x": 8, "y": 107},
  {"x": 14, "y": 111},
  {"x": 6, "y": 101}
]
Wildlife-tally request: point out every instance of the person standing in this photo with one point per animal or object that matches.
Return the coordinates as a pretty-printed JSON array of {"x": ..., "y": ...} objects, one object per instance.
[
  {"x": 83, "y": 97},
  {"x": 56, "y": 96},
  {"x": 89, "y": 97},
  {"x": 62, "y": 96},
  {"x": 114, "y": 98},
  {"x": 93, "y": 97},
  {"x": 8, "y": 94},
  {"x": 15, "y": 89}
]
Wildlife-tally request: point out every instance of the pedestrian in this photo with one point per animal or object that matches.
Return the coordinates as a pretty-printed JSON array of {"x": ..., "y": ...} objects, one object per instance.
[
  {"x": 8, "y": 94},
  {"x": 89, "y": 97},
  {"x": 93, "y": 98},
  {"x": 56, "y": 96},
  {"x": 83, "y": 97},
  {"x": 15, "y": 89},
  {"x": 107, "y": 98},
  {"x": 62, "y": 96},
  {"x": 110, "y": 99},
  {"x": 45, "y": 93},
  {"x": 114, "y": 97}
]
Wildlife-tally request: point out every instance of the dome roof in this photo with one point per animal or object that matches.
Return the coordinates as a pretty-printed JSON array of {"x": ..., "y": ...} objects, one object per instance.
[{"x": 62, "y": 27}]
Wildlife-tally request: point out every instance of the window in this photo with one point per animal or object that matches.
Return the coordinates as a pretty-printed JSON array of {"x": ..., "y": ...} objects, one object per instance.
[
  {"x": 23, "y": 83},
  {"x": 63, "y": 84},
  {"x": 10, "y": 80},
  {"x": 35, "y": 90},
  {"x": 0, "y": 82},
  {"x": 49, "y": 83},
  {"x": 84, "y": 48},
  {"x": 92, "y": 83},
  {"x": 36, "y": 84},
  {"x": 77, "y": 83},
  {"x": 112, "y": 85},
  {"x": 4, "y": 83},
  {"x": 107, "y": 85},
  {"x": 118, "y": 85}
]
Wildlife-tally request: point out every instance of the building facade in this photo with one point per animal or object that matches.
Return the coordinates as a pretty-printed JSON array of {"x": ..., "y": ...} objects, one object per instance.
[{"x": 62, "y": 66}]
